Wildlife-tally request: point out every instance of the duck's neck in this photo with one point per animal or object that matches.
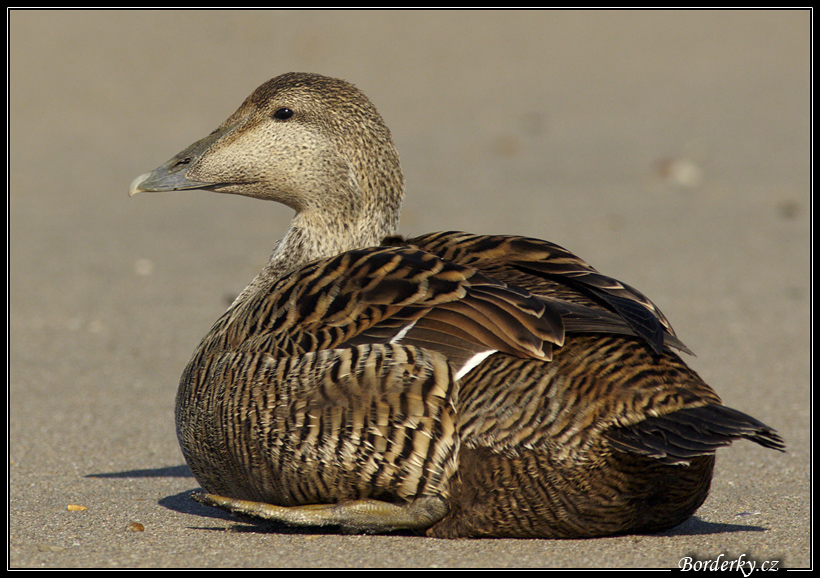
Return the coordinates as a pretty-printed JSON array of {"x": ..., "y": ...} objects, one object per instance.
[
  {"x": 318, "y": 234},
  {"x": 307, "y": 240}
]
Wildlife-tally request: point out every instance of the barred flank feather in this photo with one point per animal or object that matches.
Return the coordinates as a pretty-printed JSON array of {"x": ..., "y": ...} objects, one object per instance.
[{"x": 340, "y": 424}]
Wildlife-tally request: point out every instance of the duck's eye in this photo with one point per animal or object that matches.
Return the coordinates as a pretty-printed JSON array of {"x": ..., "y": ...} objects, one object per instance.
[{"x": 283, "y": 114}]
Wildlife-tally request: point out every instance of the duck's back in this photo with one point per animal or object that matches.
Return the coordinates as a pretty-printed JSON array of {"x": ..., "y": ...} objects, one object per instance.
[{"x": 502, "y": 375}]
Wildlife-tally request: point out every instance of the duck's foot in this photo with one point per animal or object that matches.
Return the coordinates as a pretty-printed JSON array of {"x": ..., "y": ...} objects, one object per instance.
[{"x": 362, "y": 516}]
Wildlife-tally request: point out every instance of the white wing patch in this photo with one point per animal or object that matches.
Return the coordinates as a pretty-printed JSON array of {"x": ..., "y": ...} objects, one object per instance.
[
  {"x": 400, "y": 335},
  {"x": 474, "y": 361}
]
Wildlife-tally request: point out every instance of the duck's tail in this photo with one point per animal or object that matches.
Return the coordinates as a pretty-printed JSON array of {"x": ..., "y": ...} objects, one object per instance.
[{"x": 677, "y": 437}]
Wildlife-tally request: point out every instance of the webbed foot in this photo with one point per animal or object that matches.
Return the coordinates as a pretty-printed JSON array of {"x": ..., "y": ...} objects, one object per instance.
[{"x": 362, "y": 516}]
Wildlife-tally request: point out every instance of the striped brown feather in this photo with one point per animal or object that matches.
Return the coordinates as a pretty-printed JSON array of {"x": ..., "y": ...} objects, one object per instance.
[
  {"x": 383, "y": 294},
  {"x": 547, "y": 269},
  {"x": 332, "y": 425}
]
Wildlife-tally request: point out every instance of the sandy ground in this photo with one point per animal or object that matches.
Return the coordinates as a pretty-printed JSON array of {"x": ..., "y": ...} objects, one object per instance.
[{"x": 671, "y": 150}]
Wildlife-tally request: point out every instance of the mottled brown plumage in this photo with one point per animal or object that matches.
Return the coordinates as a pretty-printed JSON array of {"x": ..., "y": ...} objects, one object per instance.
[{"x": 456, "y": 384}]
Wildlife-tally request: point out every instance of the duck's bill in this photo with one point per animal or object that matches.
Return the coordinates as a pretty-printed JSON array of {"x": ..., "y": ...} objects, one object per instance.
[{"x": 173, "y": 175}]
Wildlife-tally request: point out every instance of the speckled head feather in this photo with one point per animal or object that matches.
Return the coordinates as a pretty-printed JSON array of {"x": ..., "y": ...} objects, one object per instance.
[{"x": 335, "y": 116}]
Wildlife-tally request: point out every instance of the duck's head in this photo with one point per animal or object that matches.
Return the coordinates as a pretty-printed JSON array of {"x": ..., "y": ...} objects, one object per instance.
[{"x": 313, "y": 143}]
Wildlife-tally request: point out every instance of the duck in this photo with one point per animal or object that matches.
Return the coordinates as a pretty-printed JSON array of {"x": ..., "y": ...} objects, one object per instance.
[{"x": 452, "y": 384}]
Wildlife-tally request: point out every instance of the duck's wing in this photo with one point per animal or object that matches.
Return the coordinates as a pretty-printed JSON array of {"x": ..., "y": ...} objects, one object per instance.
[
  {"x": 465, "y": 296},
  {"x": 550, "y": 271},
  {"x": 397, "y": 295}
]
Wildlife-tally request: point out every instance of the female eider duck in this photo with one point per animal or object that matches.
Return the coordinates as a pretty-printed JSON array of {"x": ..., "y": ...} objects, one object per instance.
[{"x": 454, "y": 384}]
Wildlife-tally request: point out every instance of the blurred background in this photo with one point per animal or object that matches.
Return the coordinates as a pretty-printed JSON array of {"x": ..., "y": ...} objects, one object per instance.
[{"x": 670, "y": 149}]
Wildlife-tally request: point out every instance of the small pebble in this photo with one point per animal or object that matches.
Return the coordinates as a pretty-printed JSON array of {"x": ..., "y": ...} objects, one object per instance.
[
  {"x": 681, "y": 172},
  {"x": 143, "y": 267},
  {"x": 50, "y": 548},
  {"x": 136, "y": 527}
]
